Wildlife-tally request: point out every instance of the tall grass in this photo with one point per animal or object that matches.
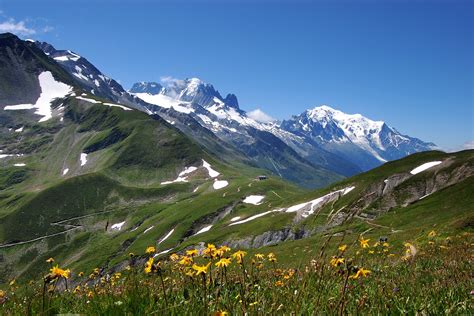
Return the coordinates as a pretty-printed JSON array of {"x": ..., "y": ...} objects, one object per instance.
[{"x": 430, "y": 276}]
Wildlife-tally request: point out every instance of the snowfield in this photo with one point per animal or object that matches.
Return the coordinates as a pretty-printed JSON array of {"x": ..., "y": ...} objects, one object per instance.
[
  {"x": 203, "y": 230},
  {"x": 166, "y": 236},
  {"x": 424, "y": 167},
  {"x": 254, "y": 199},
  {"x": 117, "y": 226},
  {"x": 219, "y": 184},
  {"x": 65, "y": 171},
  {"x": 165, "y": 102},
  {"x": 212, "y": 173},
  {"x": 83, "y": 159},
  {"x": 50, "y": 90},
  {"x": 182, "y": 175}
]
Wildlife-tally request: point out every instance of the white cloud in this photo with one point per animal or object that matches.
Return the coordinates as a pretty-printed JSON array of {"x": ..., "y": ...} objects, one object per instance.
[
  {"x": 18, "y": 28},
  {"x": 260, "y": 116},
  {"x": 468, "y": 145}
]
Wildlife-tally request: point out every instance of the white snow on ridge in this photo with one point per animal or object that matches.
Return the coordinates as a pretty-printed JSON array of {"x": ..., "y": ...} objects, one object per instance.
[
  {"x": 148, "y": 229},
  {"x": 104, "y": 103},
  {"x": 212, "y": 173},
  {"x": 166, "y": 236},
  {"x": 65, "y": 171},
  {"x": 219, "y": 184},
  {"x": 316, "y": 203},
  {"x": 254, "y": 199},
  {"x": 203, "y": 230},
  {"x": 88, "y": 100},
  {"x": 165, "y": 102},
  {"x": 233, "y": 219},
  {"x": 162, "y": 253},
  {"x": 19, "y": 165},
  {"x": 117, "y": 226},
  {"x": 18, "y": 130},
  {"x": 50, "y": 90},
  {"x": 425, "y": 166},
  {"x": 251, "y": 218},
  {"x": 117, "y": 106},
  {"x": 83, "y": 159},
  {"x": 295, "y": 208}
]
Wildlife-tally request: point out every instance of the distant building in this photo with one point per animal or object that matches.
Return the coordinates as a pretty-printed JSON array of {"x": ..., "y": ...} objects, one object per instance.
[{"x": 262, "y": 178}]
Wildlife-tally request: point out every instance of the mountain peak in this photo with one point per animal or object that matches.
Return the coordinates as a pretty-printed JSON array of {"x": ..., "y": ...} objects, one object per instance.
[{"x": 146, "y": 87}]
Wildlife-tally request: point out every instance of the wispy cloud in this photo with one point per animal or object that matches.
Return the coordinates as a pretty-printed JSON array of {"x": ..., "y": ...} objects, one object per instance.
[
  {"x": 25, "y": 27},
  {"x": 468, "y": 145},
  {"x": 260, "y": 116},
  {"x": 18, "y": 28}
]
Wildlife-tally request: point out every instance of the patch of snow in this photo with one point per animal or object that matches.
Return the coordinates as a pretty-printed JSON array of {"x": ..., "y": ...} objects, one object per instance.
[
  {"x": 88, "y": 100},
  {"x": 219, "y": 184},
  {"x": 118, "y": 106},
  {"x": 251, "y": 218},
  {"x": 182, "y": 175},
  {"x": 424, "y": 196},
  {"x": 83, "y": 159},
  {"x": 319, "y": 202},
  {"x": 385, "y": 181},
  {"x": 10, "y": 155},
  {"x": 18, "y": 130},
  {"x": 254, "y": 199},
  {"x": 203, "y": 230},
  {"x": 233, "y": 219},
  {"x": 212, "y": 173},
  {"x": 424, "y": 167},
  {"x": 163, "y": 252},
  {"x": 50, "y": 90},
  {"x": 65, "y": 171},
  {"x": 166, "y": 237},
  {"x": 117, "y": 226},
  {"x": 148, "y": 229},
  {"x": 19, "y": 165}
]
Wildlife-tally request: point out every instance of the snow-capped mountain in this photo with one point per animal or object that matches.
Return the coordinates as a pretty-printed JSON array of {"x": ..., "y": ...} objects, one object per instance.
[
  {"x": 366, "y": 142},
  {"x": 265, "y": 143}
]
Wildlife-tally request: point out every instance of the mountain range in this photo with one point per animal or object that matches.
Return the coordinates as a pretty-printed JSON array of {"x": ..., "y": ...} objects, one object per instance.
[{"x": 321, "y": 140}]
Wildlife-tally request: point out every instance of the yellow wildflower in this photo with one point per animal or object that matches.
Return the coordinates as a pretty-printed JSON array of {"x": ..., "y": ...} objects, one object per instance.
[
  {"x": 150, "y": 250},
  {"x": 239, "y": 255},
  {"x": 57, "y": 272},
  {"x": 192, "y": 252},
  {"x": 432, "y": 234},
  {"x": 201, "y": 269},
  {"x": 361, "y": 272},
  {"x": 364, "y": 243},
  {"x": 50, "y": 260},
  {"x": 131, "y": 255},
  {"x": 149, "y": 265},
  {"x": 224, "y": 262},
  {"x": 271, "y": 257},
  {"x": 279, "y": 283},
  {"x": 342, "y": 248},
  {"x": 259, "y": 256},
  {"x": 337, "y": 261},
  {"x": 385, "y": 244},
  {"x": 174, "y": 257},
  {"x": 185, "y": 261},
  {"x": 371, "y": 252},
  {"x": 189, "y": 272},
  {"x": 220, "y": 313},
  {"x": 81, "y": 274}
]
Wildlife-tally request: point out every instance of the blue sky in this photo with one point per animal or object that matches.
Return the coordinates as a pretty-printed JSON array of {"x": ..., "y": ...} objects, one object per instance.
[{"x": 409, "y": 63}]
